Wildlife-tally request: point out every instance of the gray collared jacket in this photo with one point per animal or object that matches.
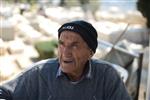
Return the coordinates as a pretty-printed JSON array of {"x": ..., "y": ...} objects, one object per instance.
[{"x": 44, "y": 81}]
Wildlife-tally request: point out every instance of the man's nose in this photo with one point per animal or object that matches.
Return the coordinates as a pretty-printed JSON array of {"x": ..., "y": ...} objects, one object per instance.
[{"x": 67, "y": 50}]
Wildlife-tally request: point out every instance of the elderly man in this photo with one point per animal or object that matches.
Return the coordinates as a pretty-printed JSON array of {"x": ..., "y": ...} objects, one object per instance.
[{"x": 71, "y": 76}]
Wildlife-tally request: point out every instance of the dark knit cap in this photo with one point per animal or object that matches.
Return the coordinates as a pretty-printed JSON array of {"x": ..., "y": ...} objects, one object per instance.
[{"x": 84, "y": 29}]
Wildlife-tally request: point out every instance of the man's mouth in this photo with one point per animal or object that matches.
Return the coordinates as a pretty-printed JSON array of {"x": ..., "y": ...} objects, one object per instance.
[{"x": 67, "y": 61}]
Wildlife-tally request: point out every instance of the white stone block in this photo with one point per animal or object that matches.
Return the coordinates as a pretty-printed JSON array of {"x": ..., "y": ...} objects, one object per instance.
[
  {"x": 7, "y": 31},
  {"x": 29, "y": 33},
  {"x": 108, "y": 31},
  {"x": 16, "y": 46},
  {"x": 48, "y": 26},
  {"x": 23, "y": 61},
  {"x": 2, "y": 47},
  {"x": 8, "y": 67}
]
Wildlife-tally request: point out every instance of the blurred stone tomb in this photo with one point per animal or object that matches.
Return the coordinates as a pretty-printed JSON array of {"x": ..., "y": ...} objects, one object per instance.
[{"x": 7, "y": 30}]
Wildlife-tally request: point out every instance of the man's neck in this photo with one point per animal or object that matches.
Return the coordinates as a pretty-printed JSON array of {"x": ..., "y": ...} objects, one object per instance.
[{"x": 78, "y": 76}]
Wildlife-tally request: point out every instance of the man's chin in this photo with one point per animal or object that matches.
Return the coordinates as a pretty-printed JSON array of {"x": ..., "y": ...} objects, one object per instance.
[
  {"x": 67, "y": 66},
  {"x": 66, "y": 70}
]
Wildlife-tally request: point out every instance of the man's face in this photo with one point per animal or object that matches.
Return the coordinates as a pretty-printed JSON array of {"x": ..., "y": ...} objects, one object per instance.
[{"x": 73, "y": 53}]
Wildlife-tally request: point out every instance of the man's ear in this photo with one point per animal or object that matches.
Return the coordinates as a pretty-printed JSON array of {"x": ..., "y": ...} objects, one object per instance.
[{"x": 91, "y": 54}]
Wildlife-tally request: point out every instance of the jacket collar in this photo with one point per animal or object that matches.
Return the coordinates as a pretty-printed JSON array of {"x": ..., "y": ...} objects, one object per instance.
[{"x": 87, "y": 74}]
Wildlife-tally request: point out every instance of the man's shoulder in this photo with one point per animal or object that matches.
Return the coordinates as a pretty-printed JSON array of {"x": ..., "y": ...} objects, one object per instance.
[
  {"x": 101, "y": 63},
  {"x": 46, "y": 62},
  {"x": 47, "y": 66},
  {"x": 102, "y": 66},
  {"x": 43, "y": 65}
]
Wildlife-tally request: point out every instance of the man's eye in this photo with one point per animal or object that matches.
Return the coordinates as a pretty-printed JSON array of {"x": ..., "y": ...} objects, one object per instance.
[
  {"x": 60, "y": 42},
  {"x": 75, "y": 46}
]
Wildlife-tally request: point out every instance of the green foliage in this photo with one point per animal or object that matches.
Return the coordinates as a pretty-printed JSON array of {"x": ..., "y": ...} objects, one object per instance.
[{"x": 46, "y": 49}]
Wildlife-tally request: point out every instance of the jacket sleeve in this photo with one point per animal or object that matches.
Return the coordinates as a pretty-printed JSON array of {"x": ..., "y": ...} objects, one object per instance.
[
  {"x": 5, "y": 94},
  {"x": 114, "y": 87},
  {"x": 14, "y": 89},
  {"x": 21, "y": 88}
]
